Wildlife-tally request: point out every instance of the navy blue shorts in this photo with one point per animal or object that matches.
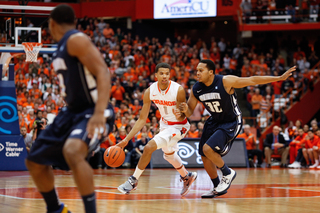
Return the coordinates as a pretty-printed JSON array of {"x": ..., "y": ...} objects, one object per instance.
[
  {"x": 47, "y": 149},
  {"x": 219, "y": 136}
]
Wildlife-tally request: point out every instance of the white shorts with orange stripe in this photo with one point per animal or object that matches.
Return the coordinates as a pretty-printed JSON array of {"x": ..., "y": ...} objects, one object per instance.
[{"x": 169, "y": 136}]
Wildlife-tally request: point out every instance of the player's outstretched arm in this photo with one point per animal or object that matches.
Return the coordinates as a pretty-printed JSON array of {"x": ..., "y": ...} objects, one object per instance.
[
  {"x": 141, "y": 121},
  {"x": 188, "y": 108},
  {"x": 231, "y": 81},
  {"x": 79, "y": 45}
]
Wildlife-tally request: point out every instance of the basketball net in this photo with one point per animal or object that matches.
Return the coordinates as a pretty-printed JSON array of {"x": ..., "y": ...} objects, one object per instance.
[{"x": 32, "y": 49}]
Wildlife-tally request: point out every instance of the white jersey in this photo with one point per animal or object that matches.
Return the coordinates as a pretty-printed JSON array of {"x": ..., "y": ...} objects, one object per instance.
[{"x": 165, "y": 100}]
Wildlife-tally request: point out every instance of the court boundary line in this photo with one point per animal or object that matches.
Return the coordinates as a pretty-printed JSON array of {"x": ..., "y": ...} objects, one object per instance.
[{"x": 183, "y": 198}]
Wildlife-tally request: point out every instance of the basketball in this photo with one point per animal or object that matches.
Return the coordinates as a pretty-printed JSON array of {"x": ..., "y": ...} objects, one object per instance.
[{"x": 114, "y": 156}]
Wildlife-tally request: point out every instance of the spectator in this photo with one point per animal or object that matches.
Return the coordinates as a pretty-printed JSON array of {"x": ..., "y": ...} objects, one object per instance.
[
  {"x": 144, "y": 130},
  {"x": 313, "y": 59},
  {"x": 272, "y": 6},
  {"x": 259, "y": 11},
  {"x": 119, "y": 35},
  {"x": 290, "y": 131},
  {"x": 314, "y": 7},
  {"x": 237, "y": 50},
  {"x": 255, "y": 102},
  {"x": 108, "y": 32},
  {"x": 291, "y": 10},
  {"x": 50, "y": 115},
  {"x": 249, "y": 99},
  {"x": 193, "y": 132},
  {"x": 101, "y": 25},
  {"x": 27, "y": 137},
  {"x": 265, "y": 106},
  {"x": 117, "y": 92},
  {"x": 127, "y": 149},
  {"x": 314, "y": 125},
  {"x": 295, "y": 151},
  {"x": 298, "y": 125},
  {"x": 30, "y": 118},
  {"x": 305, "y": 9},
  {"x": 303, "y": 63},
  {"x": 226, "y": 62},
  {"x": 286, "y": 86},
  {"x": 311, "y": 150},
  {"x": 100, "y": 38},
  {"x": 251, "y": 145},
  {"x": 222, "y": 47},
  {"x": 246, "y": 9},
  {"x": 275, "y": 144},
  {"x": 139, "y": 146}
]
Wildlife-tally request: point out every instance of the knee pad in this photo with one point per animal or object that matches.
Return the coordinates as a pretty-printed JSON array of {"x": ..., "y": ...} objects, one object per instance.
[
  {"x": 173, "y": 159},
  {"x": 168, "y": 157}
]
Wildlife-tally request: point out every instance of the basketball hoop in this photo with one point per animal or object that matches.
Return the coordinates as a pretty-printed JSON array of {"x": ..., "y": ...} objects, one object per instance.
[{"x": 32, "y": 49}]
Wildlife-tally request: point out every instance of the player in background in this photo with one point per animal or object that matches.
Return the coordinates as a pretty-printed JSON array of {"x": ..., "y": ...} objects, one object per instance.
[
  {"x": 76, "y": 131},
  {"x": 217, "y": 93},
  {"x": 166, "y": 95}
]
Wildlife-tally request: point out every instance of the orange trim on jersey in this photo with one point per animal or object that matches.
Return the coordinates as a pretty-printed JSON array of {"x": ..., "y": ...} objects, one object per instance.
[
  {"x": 166, "y": 89},
  {"x": 175, "y": 122}
]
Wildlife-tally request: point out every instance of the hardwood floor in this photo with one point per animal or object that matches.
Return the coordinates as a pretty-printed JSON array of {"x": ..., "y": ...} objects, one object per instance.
[{"x": 253, "y": 190}]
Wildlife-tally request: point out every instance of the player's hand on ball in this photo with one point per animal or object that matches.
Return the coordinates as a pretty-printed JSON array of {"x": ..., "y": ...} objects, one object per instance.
[
  {"x": 122, "y": 143},
  {"x": 96, "y": 124},
  {"x": 183, "y": 107}
]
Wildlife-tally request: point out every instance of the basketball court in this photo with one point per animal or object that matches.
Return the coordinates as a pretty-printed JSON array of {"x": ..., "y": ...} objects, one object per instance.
[{"x": 253, "y": 190}]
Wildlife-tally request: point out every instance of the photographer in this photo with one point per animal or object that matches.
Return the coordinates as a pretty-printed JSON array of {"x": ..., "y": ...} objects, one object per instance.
[{"x": 39, "y": 125}]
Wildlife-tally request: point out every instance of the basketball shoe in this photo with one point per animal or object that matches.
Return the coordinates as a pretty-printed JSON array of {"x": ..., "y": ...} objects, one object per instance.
[
  {"x": 187, "y": 181},
  {"x": 226, "y": 182},
  {"x": 63, "y": 209},
  {"x": 129, "y": 185},
  {"x": 213, "y": 194},
  {"x": 295, "y": 165}
]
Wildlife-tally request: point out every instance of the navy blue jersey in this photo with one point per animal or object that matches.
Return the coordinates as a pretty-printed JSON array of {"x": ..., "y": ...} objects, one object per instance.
[
  {"x": 78, "y": 86},
  {"x": 222, "y": 106}
]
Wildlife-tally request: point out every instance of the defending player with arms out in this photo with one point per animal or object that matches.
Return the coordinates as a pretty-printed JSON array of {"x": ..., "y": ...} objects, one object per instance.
[
  {"x": 166, "y": 95},
  {"x": 217, "y": 94},
  {"x": 66, "y": 143}
]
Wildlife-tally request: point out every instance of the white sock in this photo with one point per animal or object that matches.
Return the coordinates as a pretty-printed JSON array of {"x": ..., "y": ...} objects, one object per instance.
[
  {"x": 316, "y": 162},
  {"x": 137, "y": 173}
]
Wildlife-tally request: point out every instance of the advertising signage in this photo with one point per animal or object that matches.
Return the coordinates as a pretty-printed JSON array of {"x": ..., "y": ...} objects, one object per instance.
[
  {"x": 172, "y": 9},
  {"x": 189, "y": 154}
]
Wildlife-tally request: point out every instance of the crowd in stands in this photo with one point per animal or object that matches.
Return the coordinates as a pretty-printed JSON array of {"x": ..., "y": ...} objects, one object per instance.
[
  {"x": 300, "y": 143},
  {"x": 132, "y": 62},
  {"x": 298, "y": 12}
]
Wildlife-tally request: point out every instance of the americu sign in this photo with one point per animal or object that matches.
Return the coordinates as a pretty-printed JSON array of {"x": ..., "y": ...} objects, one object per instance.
[{"x": 168, "y": 9}]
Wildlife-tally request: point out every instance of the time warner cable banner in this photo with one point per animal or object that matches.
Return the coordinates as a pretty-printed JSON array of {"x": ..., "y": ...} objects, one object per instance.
[
  {"x": 12, "y": 148},
  {"x": 168, "y": 9}
]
